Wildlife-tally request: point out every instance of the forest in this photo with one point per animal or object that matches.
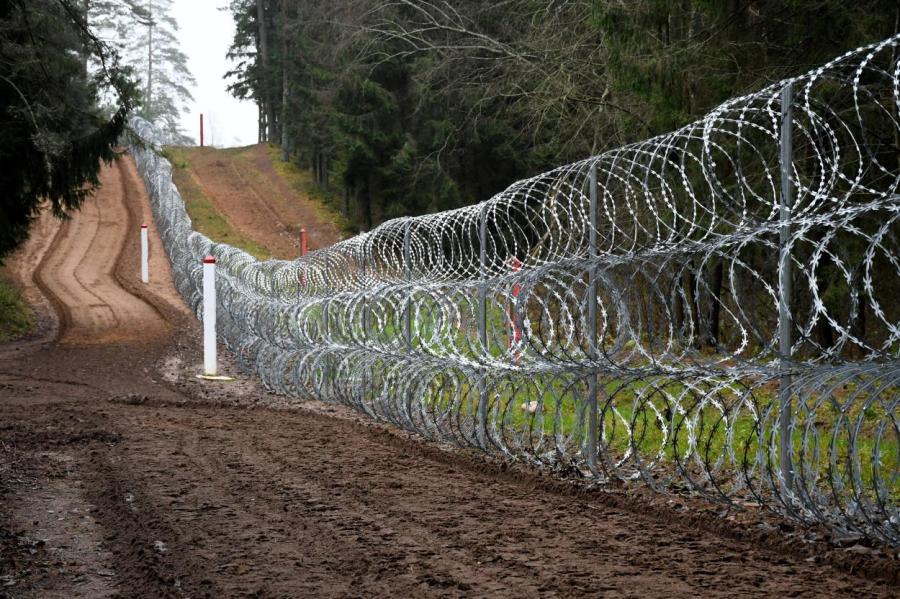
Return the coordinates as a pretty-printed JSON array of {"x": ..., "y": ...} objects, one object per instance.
[{"x": 405, "y": 107}]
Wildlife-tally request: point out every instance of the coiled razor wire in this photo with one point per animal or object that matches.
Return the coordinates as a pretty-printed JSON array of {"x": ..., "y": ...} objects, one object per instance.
[{"x": 716, "y": 309}]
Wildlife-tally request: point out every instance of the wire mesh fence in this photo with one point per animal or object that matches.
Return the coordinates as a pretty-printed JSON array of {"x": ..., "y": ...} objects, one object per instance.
[{"x": 716, "y": 308}]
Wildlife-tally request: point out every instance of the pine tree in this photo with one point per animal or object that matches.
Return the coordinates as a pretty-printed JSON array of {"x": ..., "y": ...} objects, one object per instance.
[
  {"x": 146, "y": 34},
  {"x": 253, "y": 76}
]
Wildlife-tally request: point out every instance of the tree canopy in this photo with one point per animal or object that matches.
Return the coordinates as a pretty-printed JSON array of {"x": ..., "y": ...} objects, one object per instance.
[
  {"x": 53, "y": 132},
  {"x": 423, "y": 105},
  {"x": 145, "y": 33}
]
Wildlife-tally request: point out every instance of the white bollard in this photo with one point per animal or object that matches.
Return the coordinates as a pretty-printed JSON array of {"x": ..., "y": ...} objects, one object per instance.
[
  {"x": 209, "y": 316},
  {"x": 145, "y": 259}
]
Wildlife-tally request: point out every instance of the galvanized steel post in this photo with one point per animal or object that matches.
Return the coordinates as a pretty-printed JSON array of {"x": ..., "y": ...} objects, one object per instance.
[
  {"x": 407, "y": 313},
  {"x": 784, "y": 297},
  {"x": 326, "y": 328},
  {"x": 364, "y": 373},
  {"x": 482, "y": 414},
  {"x": 407, "y": 267},
  {"x": 592, "y": 425}
]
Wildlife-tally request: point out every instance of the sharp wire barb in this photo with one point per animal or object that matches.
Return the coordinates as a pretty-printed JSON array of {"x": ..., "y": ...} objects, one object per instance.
[{"x": 702, "y": 311}]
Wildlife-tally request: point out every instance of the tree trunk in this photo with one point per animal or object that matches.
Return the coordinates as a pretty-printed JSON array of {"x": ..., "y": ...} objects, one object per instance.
[
  {"x": 148, "y": 102},
  {"x": 266, "y": 73},
  {"x": 261, "y": 123},
  {"x": 367, "y": 206},
  {"x": 285, "y": 151},
  {"x": 87, "y": 50}
]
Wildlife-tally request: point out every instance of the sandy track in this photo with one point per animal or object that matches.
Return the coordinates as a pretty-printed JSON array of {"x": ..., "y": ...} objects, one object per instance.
[
  {"x": 123, "y": 475},
  {"x": 78, "y": 270}
]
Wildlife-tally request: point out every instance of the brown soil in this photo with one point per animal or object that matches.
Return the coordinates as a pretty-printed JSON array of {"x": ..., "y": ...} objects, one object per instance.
[
  {"x": 244, "y": 187},
  {"x": 121, "y": 474}
]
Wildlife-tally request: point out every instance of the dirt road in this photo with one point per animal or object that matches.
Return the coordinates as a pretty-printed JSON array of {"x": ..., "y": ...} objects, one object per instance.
[
  {"x": 243, "y": 186},
  {"x": 123, "y": 475}
]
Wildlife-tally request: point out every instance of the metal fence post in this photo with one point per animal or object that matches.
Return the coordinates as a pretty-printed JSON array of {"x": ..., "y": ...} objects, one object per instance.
[
  {"x": 592, "y": 428},
  {"x": 407, "y": 266},
  {"x": 407, "y": 311},
  {"x": 482, "y": 415},
  {"x": 209, "y": 317},
  {"x": 784, "y": 298},
  {"x": 365, "y": 319}
]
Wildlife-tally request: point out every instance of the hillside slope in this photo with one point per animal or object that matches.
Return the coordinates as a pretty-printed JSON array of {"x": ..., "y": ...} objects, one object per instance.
[{"x": 248, "y": 198}]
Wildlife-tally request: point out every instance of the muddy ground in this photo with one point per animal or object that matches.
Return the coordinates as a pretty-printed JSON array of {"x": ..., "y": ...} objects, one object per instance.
[{"x": 123, "y": 475}]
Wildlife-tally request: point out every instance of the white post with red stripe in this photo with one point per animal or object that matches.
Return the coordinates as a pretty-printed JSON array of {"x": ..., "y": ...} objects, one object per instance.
[
  {"x": 145, "y": 259},
  {"x": 209, "y": 316}
]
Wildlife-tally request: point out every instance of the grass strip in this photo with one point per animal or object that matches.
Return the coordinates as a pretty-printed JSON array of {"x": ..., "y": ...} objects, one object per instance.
[
  {"x": 206, "y": 218},
  {"x": 328, "y": 203},
  {"x": 16, "y": 316}
]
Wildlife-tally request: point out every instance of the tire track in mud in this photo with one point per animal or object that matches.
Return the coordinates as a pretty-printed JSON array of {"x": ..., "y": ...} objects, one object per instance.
[
  {"x": 78, "y": 271},
  {"x": 293, "y": 505},
  {"x": 200, "y": 501},
  {"x": 85, "y": 272}
]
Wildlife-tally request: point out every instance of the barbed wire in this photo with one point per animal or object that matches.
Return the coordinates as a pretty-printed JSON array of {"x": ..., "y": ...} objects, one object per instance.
[{"x": 714, "y": 309}]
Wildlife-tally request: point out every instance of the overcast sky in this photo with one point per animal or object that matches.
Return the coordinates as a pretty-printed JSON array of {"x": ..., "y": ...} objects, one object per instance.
[{"x": 206, "y": 33}]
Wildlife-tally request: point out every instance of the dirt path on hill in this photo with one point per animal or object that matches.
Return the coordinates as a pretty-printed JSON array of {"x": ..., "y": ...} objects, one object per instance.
[
  {"x": 123, "y": 475},
  {"x": 77, "y": 271},
  {"x": 244, "y": 187}
]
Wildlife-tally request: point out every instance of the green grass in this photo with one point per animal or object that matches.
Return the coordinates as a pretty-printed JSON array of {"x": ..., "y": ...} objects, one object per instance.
[
  {"x": 16, "y": 317},
  {"x": 328, "y": 202},
  {"x": 206, "y": 218},
  {"x": 645, "y": 406},
  {"x": 639, "y": 405}
]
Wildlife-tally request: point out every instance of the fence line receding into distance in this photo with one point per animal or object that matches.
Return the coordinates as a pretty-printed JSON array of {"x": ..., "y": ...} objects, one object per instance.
[{"x": 716, "y": 309}]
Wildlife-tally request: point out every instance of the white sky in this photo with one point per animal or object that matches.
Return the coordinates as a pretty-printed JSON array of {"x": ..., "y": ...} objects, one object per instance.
[{"x": 205, "y": 33}]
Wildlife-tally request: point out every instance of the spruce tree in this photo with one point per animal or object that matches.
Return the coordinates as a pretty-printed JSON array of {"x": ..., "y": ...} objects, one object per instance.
[{"x": 53, "y": 134}]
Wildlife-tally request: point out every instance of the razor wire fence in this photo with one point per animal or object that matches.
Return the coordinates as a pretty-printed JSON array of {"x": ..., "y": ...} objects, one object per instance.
[{"x": 715, "y": 309}]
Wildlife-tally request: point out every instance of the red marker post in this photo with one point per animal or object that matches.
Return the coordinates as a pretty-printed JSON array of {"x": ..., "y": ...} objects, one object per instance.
[{"x": 303, "y": 242}]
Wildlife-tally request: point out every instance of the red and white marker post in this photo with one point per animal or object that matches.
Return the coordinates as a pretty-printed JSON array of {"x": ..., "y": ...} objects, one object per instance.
[
  {"x": 209, "y": 316},
  {"x": 145, "y": 258},
  {"x": 303, "y": 242}
]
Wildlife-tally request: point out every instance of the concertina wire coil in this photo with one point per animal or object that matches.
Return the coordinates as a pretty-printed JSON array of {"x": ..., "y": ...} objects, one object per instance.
[{"x": 714, "y": 310}]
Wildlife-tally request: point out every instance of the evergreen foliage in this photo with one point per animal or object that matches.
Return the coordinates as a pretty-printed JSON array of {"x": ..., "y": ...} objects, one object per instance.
[
  {"x": 417, "y": 106},
  {"x": 53, "y": 134},
  {"x": 145, "y": 33}
]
